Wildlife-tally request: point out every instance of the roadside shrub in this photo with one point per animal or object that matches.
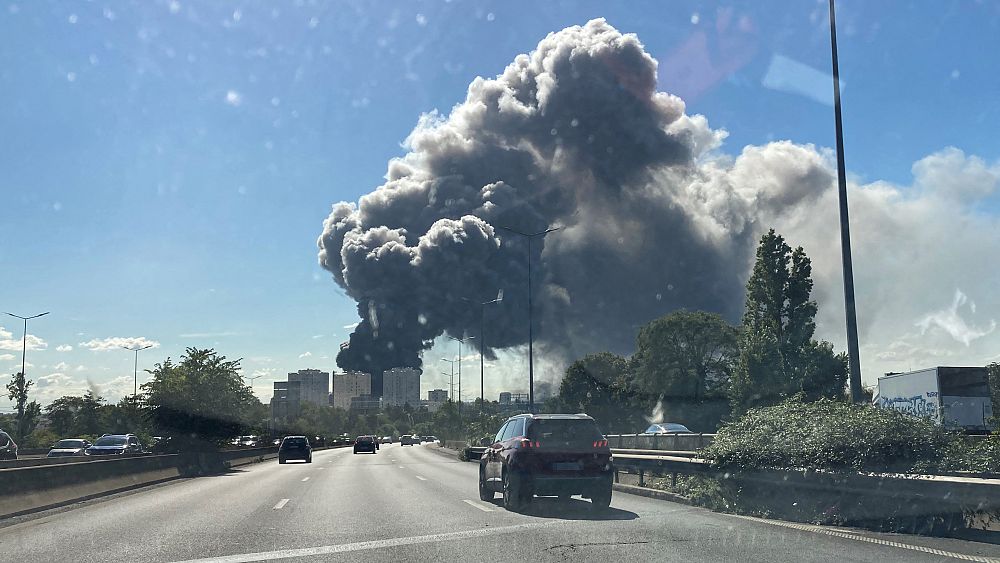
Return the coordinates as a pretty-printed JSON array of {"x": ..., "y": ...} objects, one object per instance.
[{"x": 832, "y": 435}]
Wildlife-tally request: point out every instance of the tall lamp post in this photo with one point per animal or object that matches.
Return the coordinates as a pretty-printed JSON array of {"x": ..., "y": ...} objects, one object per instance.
[
  {"x": 24, "y": 339},
  {"x": 853, "y": 353},
  {"x": 135, "y": 368},
  {"x": 482, "y": 345},
  {"x": 460, "y": 342},
  {"x": 452, "y": 362},
  {"x": 531, "y": 359}
]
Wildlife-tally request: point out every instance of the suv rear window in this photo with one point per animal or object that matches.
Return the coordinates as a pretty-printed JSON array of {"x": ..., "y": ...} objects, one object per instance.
[
  {"x": 564, "y": 430},
  {"x": 365, "y": 439},
  {"x": 294, "y": 442}
]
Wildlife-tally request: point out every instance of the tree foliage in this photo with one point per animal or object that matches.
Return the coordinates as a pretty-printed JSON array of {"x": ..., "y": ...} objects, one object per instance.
[
  {"x": 27, "y": 412},
  {"x": 601, "y": 386},
  {"x": 201, "y": 401},
  {"x": 778, "y": 356}
]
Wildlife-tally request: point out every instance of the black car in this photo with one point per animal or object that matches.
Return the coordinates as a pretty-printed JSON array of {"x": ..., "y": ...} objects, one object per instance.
[
  {"x": 547, "y": 454},
  {"x": 295, "y": 447},
  {"x": 365, "y": 444},
  {"x": 407, "y": 440},
  {"x": 8, "y": 448},
  {"x": 115, "y": 444}
]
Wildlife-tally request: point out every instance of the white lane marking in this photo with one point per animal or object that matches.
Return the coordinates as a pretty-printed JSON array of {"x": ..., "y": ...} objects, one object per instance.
[
  {"x": 401, "y": 467},
  {"x": 421, "y": 478},
  {"x": 393, "y": 460},
  {"x": 305, "y": 479},
  {"x": 320, "y": 468},
  {"x": 376, "y": 544},
  {"x": 281, "y": 504},
  {"x": 847, "y": 534},
  {"x": 478, "y": 505}
]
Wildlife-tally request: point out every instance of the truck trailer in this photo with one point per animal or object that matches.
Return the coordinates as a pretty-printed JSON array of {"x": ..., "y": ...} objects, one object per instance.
[{"x": 957, "y": 398}]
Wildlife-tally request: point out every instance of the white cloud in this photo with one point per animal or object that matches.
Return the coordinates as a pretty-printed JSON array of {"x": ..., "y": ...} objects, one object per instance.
[
  {"x": 351, "y": 326},
  {"x": 118, "y": 342},
  {"x": 61, "y": 366},
  {"x": 305, "y": 355},
  {"x": 32, "y": 342},
  {"x": 80, "y": 368},
  {"x": 911, "y": 245},
  {"x": 6, "y": 357},
  {"x": 63, "y": 348},
  {"x": 950, "y": 320},
  {"x": 317, "y": 336}
]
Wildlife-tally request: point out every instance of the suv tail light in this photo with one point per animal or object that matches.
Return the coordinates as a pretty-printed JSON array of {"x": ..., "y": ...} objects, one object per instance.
[
  {"x": 601, "y": 444},
  {"x": 526, "y": 443}
]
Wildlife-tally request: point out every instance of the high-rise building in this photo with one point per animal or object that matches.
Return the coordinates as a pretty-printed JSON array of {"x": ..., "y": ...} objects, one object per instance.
[
  {"x": 505, "y": 398},
  {"x": 286, "y": 401},
  {"x": 401, "y": 386},
  {"x": 365, "y": 403},
  {"x": 315, "y": 385},
  {"x": 437, "y": 396},
  {"x": 349, "y": 385}
]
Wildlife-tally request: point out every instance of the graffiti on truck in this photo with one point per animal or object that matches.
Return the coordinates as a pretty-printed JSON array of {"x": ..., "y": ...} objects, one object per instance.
[{"x": 916, "y": 406}]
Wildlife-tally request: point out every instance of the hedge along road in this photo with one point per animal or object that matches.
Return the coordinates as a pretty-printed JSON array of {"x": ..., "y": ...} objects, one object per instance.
[{"x": 411, "y": 503}]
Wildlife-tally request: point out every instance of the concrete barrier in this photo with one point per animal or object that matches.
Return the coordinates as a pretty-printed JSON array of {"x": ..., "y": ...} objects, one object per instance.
[
  {"x": 38, "y": 487},
  {"x": 27, "y": 489}
]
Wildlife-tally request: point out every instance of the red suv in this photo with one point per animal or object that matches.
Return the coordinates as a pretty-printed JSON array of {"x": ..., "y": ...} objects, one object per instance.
[{"x": 547, "y": 454}]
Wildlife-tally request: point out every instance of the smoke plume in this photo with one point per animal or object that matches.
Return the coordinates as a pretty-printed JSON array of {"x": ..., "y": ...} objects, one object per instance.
[{"x": 577, "y": 135}]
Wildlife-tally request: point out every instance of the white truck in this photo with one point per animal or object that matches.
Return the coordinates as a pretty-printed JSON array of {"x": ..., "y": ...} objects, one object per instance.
[{"x": 957, "y": 398}]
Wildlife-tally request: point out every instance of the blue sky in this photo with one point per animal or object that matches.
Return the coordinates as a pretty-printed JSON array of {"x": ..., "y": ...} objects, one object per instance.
[{"x": 167, "y": 165}]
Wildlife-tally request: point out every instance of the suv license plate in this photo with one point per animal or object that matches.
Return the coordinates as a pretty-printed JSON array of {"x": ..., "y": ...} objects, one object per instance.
[{"x": 567, "y": 466}]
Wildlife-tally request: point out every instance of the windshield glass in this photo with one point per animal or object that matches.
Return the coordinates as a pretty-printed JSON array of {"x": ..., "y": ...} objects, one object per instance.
[
  {"x": 563, "y": 430},
  {"x": 111, "y": 441},
  {"x": 69, "y": 444},
  {"x": 640, "y": 266}
]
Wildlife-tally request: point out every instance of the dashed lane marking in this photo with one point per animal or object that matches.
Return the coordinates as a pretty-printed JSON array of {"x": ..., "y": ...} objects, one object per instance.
[
  {"x": 304, "y": 479},
  {"x": 480, "y": 506},
  {"x": 281, "y": 504},
  {"x": 377, "y": 544},
  {"x": 421, "y": 478}
]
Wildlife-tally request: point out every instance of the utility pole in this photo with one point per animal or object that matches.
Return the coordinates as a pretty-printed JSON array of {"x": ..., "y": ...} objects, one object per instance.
[
  {"x": 460, "y": 342},
  {"x": 452, "y": 362},
  {"x": 24, "y": 338},
  {"x": 853, "y": 353},
  {"x": 531, "y": 358},
  {"x": 482, "y": 346},
  {"x": 135, "y": 368}
]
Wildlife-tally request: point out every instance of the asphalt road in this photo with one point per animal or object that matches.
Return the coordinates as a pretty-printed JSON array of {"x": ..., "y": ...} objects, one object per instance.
[{"x": 412, "y": 503}]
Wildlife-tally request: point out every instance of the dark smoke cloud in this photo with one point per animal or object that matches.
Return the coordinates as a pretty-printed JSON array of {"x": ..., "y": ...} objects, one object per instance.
[{"x": 574, "y": 134}]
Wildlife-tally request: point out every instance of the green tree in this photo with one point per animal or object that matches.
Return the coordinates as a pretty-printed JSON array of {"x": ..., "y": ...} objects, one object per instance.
[
  {"x": 202, "y": 401},
  {"x": 62, "y": 414},
  {"x": 17, "y": 391},
  {"x": 778, "y": 356},
  {"x": 686, "y": 354},
  {"x": 600, "y": 385}
]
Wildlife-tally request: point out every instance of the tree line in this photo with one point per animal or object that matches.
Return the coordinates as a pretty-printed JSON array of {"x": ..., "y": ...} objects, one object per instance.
[{"x": 691, "y": 367}]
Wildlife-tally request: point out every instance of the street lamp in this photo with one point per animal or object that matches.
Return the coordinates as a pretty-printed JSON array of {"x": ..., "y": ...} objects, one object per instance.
[
  {"x": 252, "y": 379},
  {"x": 460, "y": 342},
  {"x": 854, "y": 360},
  {"x": 24, "y": 339},
  {"x": 482, "y": 344},
  {"x": 452, "y": 362},
  {"x": 531, "y": 359},
  {"x": 135, "y": 369}
]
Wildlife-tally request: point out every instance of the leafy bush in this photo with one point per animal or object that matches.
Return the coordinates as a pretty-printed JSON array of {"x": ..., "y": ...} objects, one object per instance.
[{"x": 834, "y": 435}]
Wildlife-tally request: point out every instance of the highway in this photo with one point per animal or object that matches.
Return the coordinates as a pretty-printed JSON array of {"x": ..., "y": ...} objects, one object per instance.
[{"x": 415, "y": 504}]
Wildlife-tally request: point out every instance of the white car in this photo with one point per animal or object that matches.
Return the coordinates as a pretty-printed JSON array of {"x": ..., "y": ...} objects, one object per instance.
[
  {"x": 69, "y": 448},
  {"x": 667, "y": 428}
]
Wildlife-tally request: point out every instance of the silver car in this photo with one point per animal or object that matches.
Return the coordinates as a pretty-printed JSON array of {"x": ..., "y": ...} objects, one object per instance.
[{"x": 69, "y": 448}]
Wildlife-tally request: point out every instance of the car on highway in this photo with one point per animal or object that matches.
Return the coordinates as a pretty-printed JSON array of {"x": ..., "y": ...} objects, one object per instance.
[
  {"x": 115, "y": 444},
  {"x": 667, "y": 428},
  {"x": 295, "y": 447},
  {"x": 547, "y": 455},
  {"x": 69, "y": 448},
  {"x": 408, "y": 440},
  {"x": 8, "y": 448},
  {"x": 386, "y": 440},
  {"x": 365, "y": 444}
]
